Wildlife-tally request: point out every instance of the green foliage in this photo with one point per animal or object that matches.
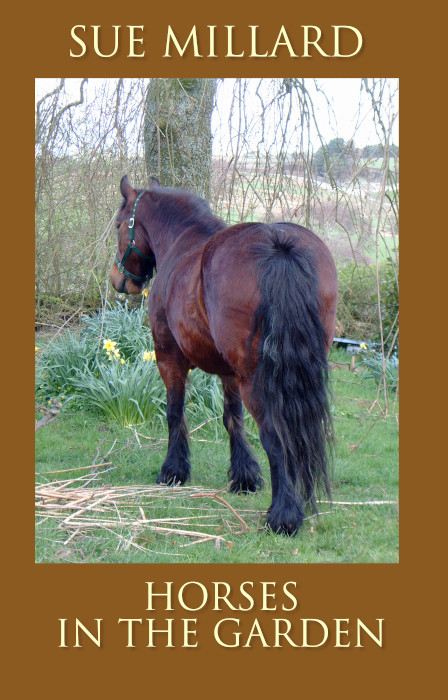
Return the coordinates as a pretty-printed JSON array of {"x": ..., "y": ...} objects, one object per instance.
[
  {"x": 204, "y": 396},
  {"x": 59, "y": 364},
  {"x": 123, "y": 325},
  {"x": 379, "y": 372},
  {"x": 118, "y": 384},
  {"x": 332, "y": 158},
  {"x": 129, "y": 393}
]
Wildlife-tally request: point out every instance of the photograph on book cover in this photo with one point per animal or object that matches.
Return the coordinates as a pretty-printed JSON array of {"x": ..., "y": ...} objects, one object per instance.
[{"x": 216, "y": 320}]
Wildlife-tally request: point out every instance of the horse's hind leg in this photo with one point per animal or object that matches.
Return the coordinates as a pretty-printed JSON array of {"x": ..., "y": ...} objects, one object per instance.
[
  {"x": 285, "y": 514},
  {"x": 176, "y": 467},
  {"x": 244, "y": 472}
]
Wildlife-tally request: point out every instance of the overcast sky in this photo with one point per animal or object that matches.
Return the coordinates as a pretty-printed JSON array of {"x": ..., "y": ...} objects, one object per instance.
[{"x": 352, "y": 111}]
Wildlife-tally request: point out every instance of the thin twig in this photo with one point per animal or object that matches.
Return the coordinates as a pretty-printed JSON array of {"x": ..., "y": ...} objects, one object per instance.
[
  {"x": 353, "y": 448},
  {"x": 224, "y": 502},
  {"x": 76, "y": 469},
  {"x": 360, "y": 503}
]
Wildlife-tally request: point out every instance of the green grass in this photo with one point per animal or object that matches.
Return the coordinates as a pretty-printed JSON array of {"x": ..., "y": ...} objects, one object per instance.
[{"x": 365, "y": 468}]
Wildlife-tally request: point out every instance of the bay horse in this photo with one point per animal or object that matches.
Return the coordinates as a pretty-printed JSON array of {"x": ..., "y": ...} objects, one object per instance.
[{"x": 252, "y": 303}]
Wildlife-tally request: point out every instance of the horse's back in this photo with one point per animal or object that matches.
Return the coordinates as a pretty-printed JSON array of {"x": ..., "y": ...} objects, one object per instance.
[{"x": 230, "y": 284}]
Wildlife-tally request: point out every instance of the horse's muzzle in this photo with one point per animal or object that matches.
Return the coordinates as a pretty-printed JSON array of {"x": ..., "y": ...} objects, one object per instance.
[{"x": 123, "y": 284}]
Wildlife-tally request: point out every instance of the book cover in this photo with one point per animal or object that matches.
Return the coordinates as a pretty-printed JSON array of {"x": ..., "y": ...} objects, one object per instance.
[{"x": 302, "y": 619}]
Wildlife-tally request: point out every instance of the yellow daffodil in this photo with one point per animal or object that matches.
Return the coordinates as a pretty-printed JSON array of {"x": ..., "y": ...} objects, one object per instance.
[
  {"x": 109, "y": 344},
  {"x": 149, "y": 355},
  {"x": 122, "y": 361},
  {"x": 145, "y": 293},
  {"x": 36, "y": 349},
  {"x": 363, "y": 346}
]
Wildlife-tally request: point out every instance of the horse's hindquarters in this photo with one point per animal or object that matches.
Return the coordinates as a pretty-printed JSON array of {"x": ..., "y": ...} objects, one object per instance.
[
  {"x": 270, "y": 297},
  {"x": 231, "y": 285}
]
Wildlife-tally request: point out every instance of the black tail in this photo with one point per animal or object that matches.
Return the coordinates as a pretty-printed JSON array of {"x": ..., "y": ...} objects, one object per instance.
[{"x": 291, "y": 378}]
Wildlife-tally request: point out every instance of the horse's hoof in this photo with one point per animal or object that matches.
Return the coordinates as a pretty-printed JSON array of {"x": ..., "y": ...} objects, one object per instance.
[
  {"x": 247, "y": 479},
  {"x": 168, "y": 480},
  {"x": 172, "y": 479},
  {"x": 283, "y": 529},
  {"x": 286, "y": 522},
  {"x": 243, "y": 487}
]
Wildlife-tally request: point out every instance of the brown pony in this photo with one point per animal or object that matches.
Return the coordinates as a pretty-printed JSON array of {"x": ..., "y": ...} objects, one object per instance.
[{"x": 252, "y": 303}]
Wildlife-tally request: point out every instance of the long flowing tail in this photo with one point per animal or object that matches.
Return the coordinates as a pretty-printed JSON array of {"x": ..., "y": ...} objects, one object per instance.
[{"x": 292, "y": 373}]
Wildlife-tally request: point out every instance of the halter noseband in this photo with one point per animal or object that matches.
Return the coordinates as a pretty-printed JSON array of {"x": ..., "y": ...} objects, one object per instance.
[{"x": 121, "y": 263}]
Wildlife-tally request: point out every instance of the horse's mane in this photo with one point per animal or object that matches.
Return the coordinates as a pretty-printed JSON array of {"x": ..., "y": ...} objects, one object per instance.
[{"x": 176, "y": 208}]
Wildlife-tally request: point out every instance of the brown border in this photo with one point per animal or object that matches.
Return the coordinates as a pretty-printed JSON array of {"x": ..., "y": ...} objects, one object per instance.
[{"x": 407, "y": 595}]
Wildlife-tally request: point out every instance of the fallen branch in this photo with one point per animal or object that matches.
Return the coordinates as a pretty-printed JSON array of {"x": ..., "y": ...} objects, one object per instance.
[{"x": 50, "y": 415}]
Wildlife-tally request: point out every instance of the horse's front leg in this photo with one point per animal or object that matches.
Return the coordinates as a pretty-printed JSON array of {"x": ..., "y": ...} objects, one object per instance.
[
  {"x": 244, "y": 472},
  {"x": 176, "y": 467}
]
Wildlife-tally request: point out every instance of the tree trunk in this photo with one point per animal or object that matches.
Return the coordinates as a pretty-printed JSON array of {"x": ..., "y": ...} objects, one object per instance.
[{"x": 177, "y": 131}]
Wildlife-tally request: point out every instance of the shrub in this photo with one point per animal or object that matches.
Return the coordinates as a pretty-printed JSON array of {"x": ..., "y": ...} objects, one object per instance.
[
  {"x": 358, "y": 301},
  {"x": 357, "y": 304},
  {"x": 389, "y": 303}
]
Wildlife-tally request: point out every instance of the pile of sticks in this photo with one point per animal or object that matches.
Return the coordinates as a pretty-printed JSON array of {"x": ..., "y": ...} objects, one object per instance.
[{"x": 79, "y": 507}]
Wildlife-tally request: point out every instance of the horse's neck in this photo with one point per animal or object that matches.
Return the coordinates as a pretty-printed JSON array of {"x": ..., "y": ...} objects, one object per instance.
[{"x": 179, "y": 239}]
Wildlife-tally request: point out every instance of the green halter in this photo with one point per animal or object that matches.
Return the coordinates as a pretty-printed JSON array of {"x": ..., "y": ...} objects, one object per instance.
[{"x": 121, "y": 263}]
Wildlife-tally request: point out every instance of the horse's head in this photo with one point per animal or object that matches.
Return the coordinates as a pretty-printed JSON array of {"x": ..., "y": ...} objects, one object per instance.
[{"x": 135, "y": 262}]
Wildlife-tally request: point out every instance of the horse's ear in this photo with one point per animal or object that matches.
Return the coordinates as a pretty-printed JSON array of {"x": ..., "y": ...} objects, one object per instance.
[
  {"x": 153, "y": 182},
  {"x": 125, "y": 188}
]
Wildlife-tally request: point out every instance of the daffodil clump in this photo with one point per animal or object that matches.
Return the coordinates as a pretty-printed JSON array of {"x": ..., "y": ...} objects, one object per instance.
[
  {"x": 106, "y": 366},
  {"x": 122, "y": 330}
]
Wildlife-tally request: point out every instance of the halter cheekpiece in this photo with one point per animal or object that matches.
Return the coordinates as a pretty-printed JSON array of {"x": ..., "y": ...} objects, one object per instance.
[{"x": 131, "y": 246}]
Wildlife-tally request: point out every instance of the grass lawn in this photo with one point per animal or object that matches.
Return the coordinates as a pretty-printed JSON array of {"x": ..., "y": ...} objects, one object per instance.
[{"x": 365, "y": 468}]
